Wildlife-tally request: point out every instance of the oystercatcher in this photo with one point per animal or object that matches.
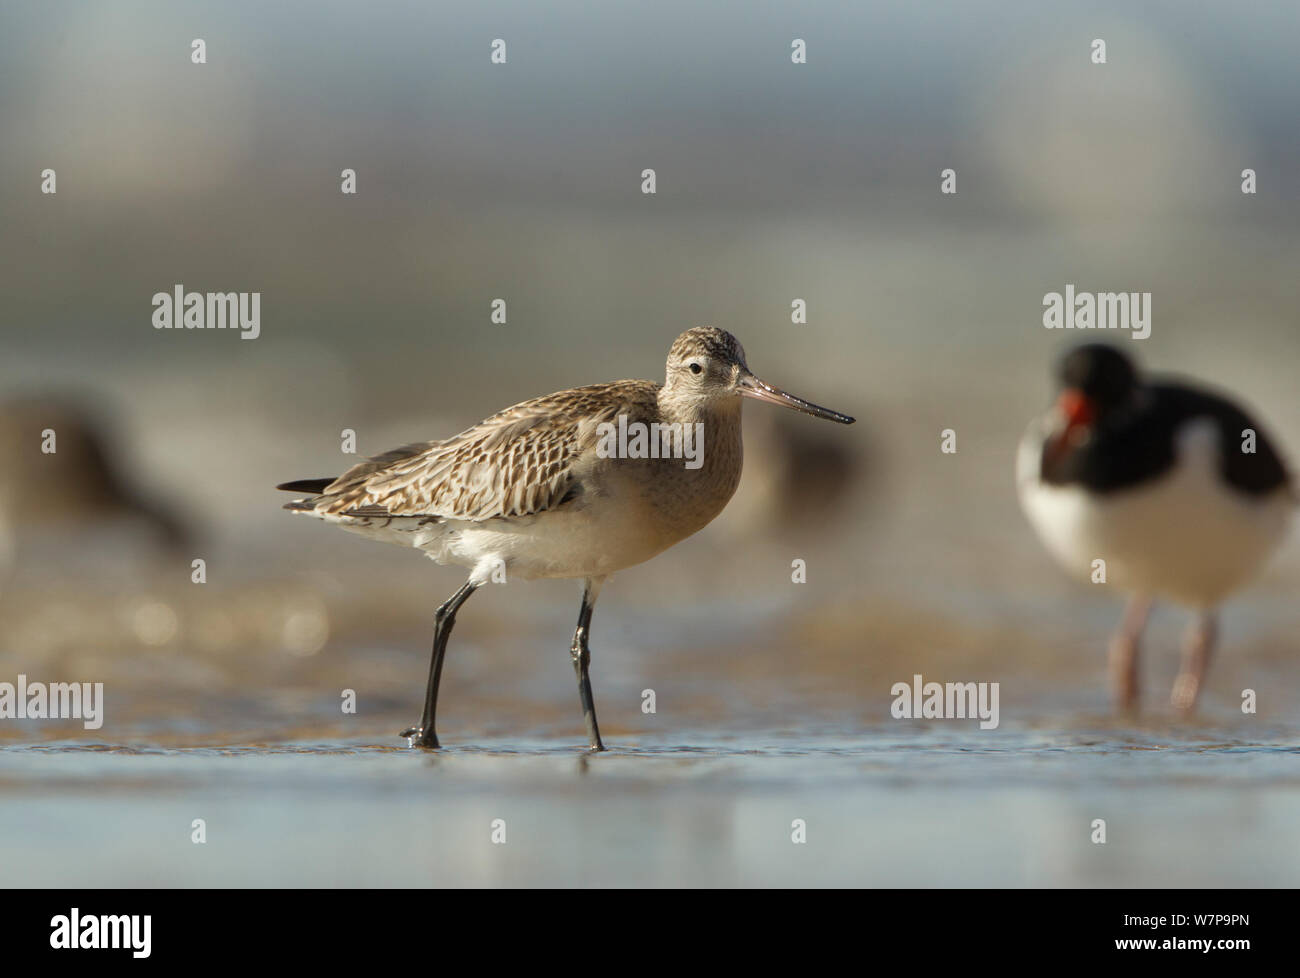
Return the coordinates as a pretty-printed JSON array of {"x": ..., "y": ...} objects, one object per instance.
[{"x": 1175, "y": 487}]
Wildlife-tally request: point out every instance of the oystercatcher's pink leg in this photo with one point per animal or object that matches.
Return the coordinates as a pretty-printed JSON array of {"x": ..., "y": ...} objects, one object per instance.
[
  {"x": 1124, "y": 654},
  {"x": 1197, "y": 647}
]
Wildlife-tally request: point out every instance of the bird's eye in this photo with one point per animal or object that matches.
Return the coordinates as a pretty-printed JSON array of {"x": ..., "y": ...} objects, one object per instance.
[{"x": 696, "y": 368}]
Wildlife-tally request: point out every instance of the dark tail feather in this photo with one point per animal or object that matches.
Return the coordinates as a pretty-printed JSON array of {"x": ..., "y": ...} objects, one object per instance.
[{"x": 305, "y": 485}]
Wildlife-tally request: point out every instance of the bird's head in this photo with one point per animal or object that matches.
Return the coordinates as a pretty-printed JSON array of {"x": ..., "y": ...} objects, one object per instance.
[
  {"x": 707, "y": 364},
  {"x": 1095, "y": 382}
]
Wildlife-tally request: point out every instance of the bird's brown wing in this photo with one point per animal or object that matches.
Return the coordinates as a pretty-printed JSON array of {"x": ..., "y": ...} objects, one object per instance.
[{"x": 515, "y": 463}]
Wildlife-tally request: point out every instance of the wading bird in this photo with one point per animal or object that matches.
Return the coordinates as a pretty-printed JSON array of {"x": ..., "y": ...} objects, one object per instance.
[
  {"x": 535, "y": 490},
  {"x": 1175, "y": 487},
  {"x": 63, "y": 473}
]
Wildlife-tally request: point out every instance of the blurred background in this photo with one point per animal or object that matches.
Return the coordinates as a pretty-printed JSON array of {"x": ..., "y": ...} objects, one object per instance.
[{"x": 521, "y": 181}]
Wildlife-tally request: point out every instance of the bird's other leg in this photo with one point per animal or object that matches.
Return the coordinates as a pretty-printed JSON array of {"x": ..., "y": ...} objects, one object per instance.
[
  {"x": 444, "y": 619},
  {"x": 582, "y": 660},
  {"x": 1123, "y": 658},
  {"x": 1197, "y": 648}
]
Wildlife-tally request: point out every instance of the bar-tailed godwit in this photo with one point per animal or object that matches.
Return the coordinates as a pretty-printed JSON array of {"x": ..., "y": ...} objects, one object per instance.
[
  {"x": 536, "y": 491},
  {"x": 1176, "y": 488}
]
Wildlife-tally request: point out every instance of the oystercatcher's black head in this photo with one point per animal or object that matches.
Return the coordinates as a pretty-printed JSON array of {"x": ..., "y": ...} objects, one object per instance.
[
  {"x": 1101, "y": 374},
  {"x": 1096, "y": 381}
]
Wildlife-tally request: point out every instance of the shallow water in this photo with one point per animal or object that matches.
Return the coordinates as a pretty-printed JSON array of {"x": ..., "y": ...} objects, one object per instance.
[
  {"x": 896, "y": 805},
  {"x": 772, "y": 705}
]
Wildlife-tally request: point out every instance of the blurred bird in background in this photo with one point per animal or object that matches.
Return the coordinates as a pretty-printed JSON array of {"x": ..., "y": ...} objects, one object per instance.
[
  {"x": 1174, "y": 486},
  {"x": 60, "y": 477}
]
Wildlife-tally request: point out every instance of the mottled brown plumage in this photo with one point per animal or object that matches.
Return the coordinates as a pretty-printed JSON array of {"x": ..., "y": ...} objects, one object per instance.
[
  {"x": 534, "y": 491},
  {"x": 516, "y": 463}
]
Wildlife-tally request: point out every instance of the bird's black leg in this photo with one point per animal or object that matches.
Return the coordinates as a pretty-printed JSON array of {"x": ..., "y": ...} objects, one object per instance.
[
  {"x": 443, "y": 621},
  {"x": 582, "y": 661}
]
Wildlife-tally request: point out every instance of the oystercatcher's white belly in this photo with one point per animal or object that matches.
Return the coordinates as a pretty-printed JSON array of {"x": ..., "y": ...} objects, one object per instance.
[{"x": 1186, "y": 536}]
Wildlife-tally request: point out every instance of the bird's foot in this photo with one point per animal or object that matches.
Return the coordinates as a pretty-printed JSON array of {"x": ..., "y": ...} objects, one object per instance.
[
  {"x": 1126, "y": 699},
  {"x": 1183, "y": 697},
  {"x": 416, "y": 737},
  {"x": 1127, "y": 711},
  {"x": 1124, "y": 676}
]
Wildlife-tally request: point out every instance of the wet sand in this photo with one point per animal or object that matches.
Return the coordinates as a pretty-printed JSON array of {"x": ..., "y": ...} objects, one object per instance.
[
  {"x": 894, "y": 805},
  {"x": 772, "y": 704}
]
